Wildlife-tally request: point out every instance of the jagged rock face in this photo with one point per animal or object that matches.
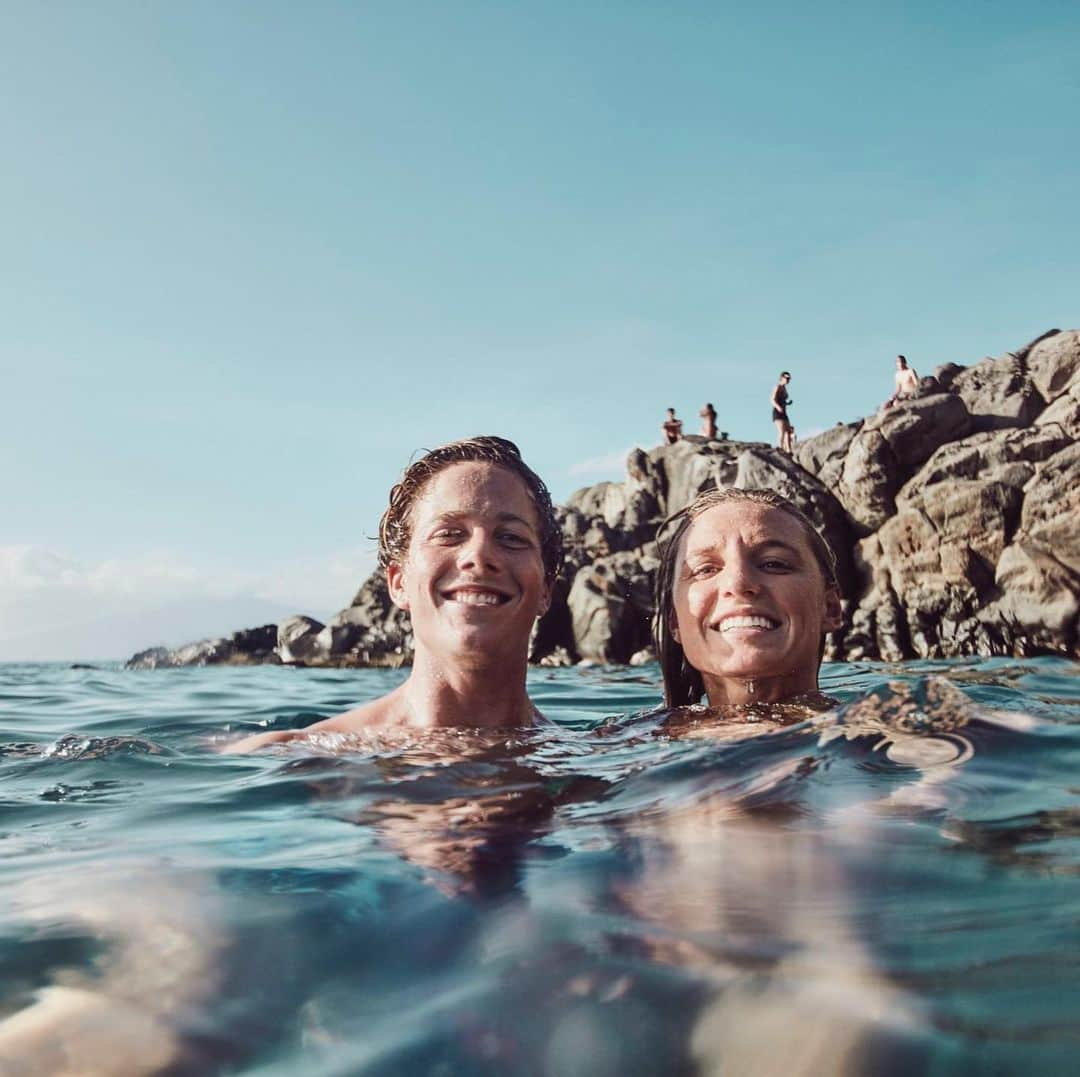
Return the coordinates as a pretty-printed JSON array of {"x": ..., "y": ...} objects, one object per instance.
[
  {"x": 296, "y": 639},
  {"x": 953, "y": 516},
  {"x": 824, "y": 455},
  {"x": 1053, "y": 363},
  {"x": 998, "y": 393},
  {"x": 248, "y": 647}
]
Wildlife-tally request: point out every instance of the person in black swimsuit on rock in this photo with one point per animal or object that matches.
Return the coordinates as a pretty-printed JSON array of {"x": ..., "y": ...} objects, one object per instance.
[{"x": 780, "y": 400}]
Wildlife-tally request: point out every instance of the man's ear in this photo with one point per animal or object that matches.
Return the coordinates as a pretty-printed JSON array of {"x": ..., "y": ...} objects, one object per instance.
[
  {"x": 834, "y": 613},
  {"x": 395, "y": 584}
]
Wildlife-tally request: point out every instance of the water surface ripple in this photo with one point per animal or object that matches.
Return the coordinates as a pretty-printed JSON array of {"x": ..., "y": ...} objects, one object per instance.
[{"x": 891, "y": 886}]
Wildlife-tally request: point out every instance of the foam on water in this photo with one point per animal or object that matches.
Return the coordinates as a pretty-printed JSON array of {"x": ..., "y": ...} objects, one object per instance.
[{"x": 887, "y": 885}]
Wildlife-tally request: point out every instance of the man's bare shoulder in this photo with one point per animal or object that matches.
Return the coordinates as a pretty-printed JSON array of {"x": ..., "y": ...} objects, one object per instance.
[{"x": 378, "y": 714}]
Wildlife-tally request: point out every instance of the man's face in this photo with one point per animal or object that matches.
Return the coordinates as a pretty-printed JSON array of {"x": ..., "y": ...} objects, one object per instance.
[
  {"x": 473, "y": 577},
  {"x": 901, "y": 363},
  {"x": 750, "y": 601}
]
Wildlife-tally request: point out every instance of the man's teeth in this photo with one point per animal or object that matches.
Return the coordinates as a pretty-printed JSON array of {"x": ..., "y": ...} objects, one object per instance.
[
  {"x": 746, "y": 622},
  {"x": 476, "y": 598}
]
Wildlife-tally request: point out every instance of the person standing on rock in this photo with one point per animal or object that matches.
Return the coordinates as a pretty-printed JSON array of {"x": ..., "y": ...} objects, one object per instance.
[
  {"x": 780, "y": 401},
  {"x": 672, "y": 428},
  {"x": 907, "y": 382},
  {"x": 708, "y": 422},
  {"x": 471, "y": 547}
]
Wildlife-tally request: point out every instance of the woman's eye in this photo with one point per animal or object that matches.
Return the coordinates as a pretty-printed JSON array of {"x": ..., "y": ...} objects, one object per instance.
[
  {"x": 514, "y": 540},
  {"x": 445, "y": 534},
  {"x": 775, "y": 565},
  {"x": 703, "y": 571}
]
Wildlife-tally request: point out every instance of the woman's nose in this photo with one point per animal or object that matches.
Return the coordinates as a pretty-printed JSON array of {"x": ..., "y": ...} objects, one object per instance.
[{"x": 738, "y": 577}]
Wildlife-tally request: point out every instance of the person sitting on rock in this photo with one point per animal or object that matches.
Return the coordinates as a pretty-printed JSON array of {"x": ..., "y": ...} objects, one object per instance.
[
  {"x": 780, "y": 401},
  {"x": 671, "y": 428},
  {"x": 471, "y": 547},
  {"x": 745, "y": 593},
  {"x": 907, "y": 382},
  {"x": 708, "y": 422}
]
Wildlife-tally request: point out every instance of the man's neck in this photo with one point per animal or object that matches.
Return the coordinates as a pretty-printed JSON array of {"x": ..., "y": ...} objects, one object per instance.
[{"x": 441, "y": 697}]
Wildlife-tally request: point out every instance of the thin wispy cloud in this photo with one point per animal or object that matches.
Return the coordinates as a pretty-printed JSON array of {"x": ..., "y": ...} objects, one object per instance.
[
  {"x": 609, "y": 465},
  {"x": 52, "y": 603}
]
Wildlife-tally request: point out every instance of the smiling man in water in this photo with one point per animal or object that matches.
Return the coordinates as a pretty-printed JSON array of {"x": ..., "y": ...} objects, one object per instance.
[{"x": 471, "y": 547}]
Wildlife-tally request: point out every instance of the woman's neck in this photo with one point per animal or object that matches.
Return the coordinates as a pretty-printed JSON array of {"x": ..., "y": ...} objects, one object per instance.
[{"x": 742, "y": 691}]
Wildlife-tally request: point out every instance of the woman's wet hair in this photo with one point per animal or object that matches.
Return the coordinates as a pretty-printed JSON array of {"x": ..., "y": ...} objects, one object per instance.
[
  {"x": 683, "y": 685},
  {"x": 395, "y": 527}
]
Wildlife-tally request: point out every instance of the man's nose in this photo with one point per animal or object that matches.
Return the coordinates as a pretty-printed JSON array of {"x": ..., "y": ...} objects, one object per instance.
[{"x": 479, "y": 551}]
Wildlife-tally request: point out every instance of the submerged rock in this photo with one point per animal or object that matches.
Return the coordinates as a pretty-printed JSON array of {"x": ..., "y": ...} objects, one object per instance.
[{"x": 953, "y": 515}]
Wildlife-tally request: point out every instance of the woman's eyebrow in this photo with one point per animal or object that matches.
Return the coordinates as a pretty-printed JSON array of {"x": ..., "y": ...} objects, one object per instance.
[
  {"x": 512, "y": 517},
  {"x": 780, "y": 544}
]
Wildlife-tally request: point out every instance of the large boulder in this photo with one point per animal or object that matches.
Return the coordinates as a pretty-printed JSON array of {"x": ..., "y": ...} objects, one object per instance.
[
  {"x": 889, "y": 448},
  {"x": 1051, "y": 516},
  {"x": 823, "y": 455},
  {"x": 686, "y": 468},
  {"x": 1053, "y": 362},
  {"x": 611, "y": 606},
  {"x": 1008, "y": 455},
  {"x": 297, "y": 639},
  {"x": 998, "y": 393},
  {"x": 1040, "y": 601},
  {"x": 1064, "y": 413}
]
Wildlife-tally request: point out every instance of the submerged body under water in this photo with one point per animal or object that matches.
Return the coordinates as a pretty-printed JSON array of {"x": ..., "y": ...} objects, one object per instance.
[{"x": 890, "y": 885}]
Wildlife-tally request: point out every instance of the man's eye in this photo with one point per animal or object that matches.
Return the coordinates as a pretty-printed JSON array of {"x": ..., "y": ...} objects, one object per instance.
[
  {"x": 514, "y": 540},
  {"x": 703, "y": 571},
  {"x": 774, "y": 564},
  {"x": 445, "y": 534}
]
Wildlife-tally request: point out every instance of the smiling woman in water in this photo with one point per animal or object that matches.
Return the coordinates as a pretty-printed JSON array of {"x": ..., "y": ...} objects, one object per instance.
[
  {"x": 471, "y": 546},
  {"x": 745, "y": 595}
]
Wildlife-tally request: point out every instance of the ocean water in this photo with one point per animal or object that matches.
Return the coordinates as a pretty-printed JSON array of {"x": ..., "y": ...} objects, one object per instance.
[{"x": 890, "y": 887}]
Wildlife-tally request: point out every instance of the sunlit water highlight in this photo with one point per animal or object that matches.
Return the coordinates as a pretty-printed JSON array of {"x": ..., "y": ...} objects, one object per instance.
[{"x": 889, "y": 887}]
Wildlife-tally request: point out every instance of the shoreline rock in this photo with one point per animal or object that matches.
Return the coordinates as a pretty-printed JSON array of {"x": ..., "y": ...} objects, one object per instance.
[{"x": 954, "y": 516}]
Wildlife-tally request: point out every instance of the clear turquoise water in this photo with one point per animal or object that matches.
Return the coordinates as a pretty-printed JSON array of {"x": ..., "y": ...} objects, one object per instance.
[{"x": 890, "y": 888}]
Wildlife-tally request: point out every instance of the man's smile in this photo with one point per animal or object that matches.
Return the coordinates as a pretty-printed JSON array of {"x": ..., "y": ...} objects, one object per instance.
[{"x": 475, "y": 596}]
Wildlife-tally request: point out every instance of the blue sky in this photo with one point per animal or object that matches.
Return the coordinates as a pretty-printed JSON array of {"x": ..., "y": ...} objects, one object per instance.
[{"x": 256, "y": 254}]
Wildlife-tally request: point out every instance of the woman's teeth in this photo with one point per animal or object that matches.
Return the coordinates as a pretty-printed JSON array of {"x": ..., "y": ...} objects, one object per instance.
[{"x": 729, "y": 623}]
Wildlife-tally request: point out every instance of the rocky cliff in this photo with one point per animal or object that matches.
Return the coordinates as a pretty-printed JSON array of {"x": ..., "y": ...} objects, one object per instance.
[{"x": 954, "y": 515}]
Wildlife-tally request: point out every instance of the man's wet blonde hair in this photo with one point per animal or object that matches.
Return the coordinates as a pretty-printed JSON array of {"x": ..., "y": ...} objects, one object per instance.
[{"x": 395, "y": 527}]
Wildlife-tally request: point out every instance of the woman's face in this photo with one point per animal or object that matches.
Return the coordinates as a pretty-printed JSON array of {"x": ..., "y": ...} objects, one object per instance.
[
  {"x": 473, "y": 578},
  {"x": 750, "y": 603}
]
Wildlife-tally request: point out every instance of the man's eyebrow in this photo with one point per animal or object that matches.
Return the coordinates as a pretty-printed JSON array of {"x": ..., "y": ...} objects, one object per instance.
[{"x": 451, "y": 515}]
